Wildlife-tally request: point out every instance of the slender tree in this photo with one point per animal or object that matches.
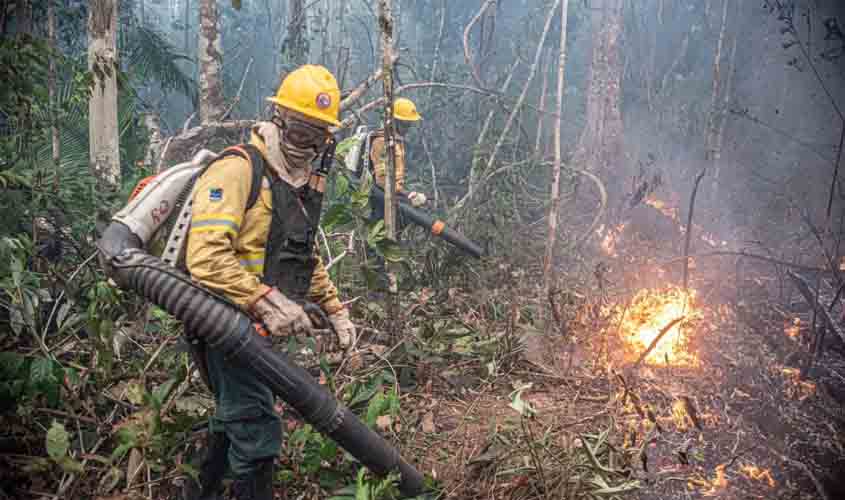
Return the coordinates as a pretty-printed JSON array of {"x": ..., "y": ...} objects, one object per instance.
[
  {"x": 600, "y": 145},
  {"x": 296, "y": 43},
  {"x": 51, "y": 90},
  {"x": 104, "y": 152},
  {"x": 554, "y": 208},
  {"x": 210, "y": 48},
  {"x": 385, "y": 17}
]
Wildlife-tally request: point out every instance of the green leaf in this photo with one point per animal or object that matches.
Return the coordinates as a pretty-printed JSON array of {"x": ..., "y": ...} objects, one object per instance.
[
  {"x": 328, "y": 450},
  {"x": 376, "y": 233},
  {"x": 336, "y": 216},
  {"x": 161, "y": 392},
  {"x": 58, "y": 441},
  {"x": 10, "y": 365},
  {"x": 70, "y": 465},
  {"x": 41, "y": 373},
  {"x": 390, "y": 249},
  {"x": 362, "y": 492},
  {"x": 341, "y": 186},
  {"x": 377, "y": 407},
  {"x": 189, "y": 470}
]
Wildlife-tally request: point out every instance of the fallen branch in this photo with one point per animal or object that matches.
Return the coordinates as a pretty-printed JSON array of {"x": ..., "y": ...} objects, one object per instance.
[{"x": 654, "y": 342}]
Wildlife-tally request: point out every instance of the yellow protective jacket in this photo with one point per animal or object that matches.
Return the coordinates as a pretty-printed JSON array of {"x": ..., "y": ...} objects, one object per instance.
[
  {"x": 378, "y": 159},
  {"x": 226, "y": 246}
]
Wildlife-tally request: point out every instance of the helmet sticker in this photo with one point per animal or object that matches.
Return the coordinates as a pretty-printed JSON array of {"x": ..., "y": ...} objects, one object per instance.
[{"x": 324, "y": 100}]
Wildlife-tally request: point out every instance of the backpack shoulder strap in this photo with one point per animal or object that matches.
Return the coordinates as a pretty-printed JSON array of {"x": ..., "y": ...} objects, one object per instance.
[{"x": 256, "y": 160}]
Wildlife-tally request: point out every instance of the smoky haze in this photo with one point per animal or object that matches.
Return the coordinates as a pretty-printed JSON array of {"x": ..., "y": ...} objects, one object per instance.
[{"x": 780, "y": 128}]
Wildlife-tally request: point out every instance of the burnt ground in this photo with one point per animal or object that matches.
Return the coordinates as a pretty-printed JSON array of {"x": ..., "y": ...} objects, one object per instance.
[{"x": 743, "y": 424}]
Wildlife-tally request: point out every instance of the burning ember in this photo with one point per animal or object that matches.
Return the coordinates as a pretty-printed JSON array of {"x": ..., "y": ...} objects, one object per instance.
[
  {"x": 792, "y": 330},
  {"x": 660, "y": 205},
  {"x": 610, "y": 236},
  {"x": 653, "y": 310},
  {"x": 674, "y": 214},
  {"x": 757, "y": 474},
  {"x": 715, "y": 485},
  {"x": 795, "y": 387}
]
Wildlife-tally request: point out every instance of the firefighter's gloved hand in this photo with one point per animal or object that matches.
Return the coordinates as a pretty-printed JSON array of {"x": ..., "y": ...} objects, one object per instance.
[
  {"x": 281, "y": 316},
  {"x": 416, "y": 199},
  {"x": 344, "y": 327}
]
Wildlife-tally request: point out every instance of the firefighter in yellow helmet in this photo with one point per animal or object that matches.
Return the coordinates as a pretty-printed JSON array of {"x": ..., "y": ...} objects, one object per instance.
[
  {"x": 252, "y": 239},
  {"x": 405, "y": 115}
]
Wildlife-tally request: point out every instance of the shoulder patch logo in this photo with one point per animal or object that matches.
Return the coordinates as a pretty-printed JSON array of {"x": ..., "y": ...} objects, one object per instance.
[{"x": 215, "y": 194}]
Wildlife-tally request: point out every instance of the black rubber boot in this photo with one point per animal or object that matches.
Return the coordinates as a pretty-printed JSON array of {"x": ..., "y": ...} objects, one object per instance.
[
  {"x": 212, "y": 468},
  {"x": 255, "y": 486}
]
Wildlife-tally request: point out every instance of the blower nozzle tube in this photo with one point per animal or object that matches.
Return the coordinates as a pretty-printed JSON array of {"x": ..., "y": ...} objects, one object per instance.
[
  {"x": 224, "y": 326},
  {"x": 437, "y": 227}
]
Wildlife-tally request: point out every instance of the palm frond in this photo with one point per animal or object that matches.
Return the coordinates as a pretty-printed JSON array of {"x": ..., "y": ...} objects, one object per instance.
[{"x": 150, "y": 57}]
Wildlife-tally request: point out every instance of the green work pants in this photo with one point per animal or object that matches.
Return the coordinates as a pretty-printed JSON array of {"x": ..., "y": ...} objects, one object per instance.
[{"x": 245, "y": 413}]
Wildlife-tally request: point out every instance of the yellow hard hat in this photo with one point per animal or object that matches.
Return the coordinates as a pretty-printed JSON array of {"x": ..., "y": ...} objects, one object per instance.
[
  {"x": 310, "y": 90},
  {"x": 405, "y": 110}
]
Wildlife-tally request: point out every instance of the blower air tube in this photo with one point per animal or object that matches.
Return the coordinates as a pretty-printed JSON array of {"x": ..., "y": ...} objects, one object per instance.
[
  {"x": 225, "y": 327},
  {"x": 438, "y": 228}
]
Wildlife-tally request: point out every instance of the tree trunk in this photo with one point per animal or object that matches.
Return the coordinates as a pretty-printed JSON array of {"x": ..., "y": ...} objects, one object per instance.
[
  {"x": 555, "y": 195},
  {"x": 210, "y": 54},
  {"x": 385, "y": 20},
  {"x": 720, "y": 132},
  {"x": 187, "y": 25},
  {"x": 386, "y": 24},
  {"x": 153, "y": 124},
  {"x": 716, "y": 126},
  {"x": 104, "y": 151},
  {"x": 51, "y": 90},
  {"x": 295, "y": 46},
  {"x": 475, "y": 181},
  {"x": 23, "y": 17},
  {"x": 713, "y": 121},
  {"x": 600, "y": 145},
  {"x": 542, "y": 104}
]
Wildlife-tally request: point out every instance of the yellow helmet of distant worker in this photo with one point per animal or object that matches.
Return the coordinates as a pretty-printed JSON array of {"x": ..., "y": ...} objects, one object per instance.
[
  {"x": 404, "y": 109},
  {"x": 311, "y": 90}
]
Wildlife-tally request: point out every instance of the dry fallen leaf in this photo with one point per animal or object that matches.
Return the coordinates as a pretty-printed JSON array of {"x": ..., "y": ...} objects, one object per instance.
[
  {"x": 428, "y": 423},
  {"x": 383, "y": 422}
]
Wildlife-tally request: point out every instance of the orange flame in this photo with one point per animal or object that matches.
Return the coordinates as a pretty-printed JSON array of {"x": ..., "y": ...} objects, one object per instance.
[
  {"x": 757, "y": 474},
  {"x": 792, "y": 330},
  {"x": 660, "y": 205},
  {"x": 649, "y": 313},
  {"x": 795, "y": 387}
]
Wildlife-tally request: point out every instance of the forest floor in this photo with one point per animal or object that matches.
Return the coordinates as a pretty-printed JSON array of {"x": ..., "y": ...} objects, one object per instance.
[
  {"x": 738, "y": 421},
  {"x": 490, "y": 406}
]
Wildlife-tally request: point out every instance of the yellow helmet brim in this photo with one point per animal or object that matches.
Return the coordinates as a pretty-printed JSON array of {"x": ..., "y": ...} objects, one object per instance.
[
  {"x": 408, "y": 118},
  {"x": 305, "y": 111}
]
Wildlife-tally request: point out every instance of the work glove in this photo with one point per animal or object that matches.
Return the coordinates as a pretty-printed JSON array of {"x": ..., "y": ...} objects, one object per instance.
[
  {"x": 344, "y": 327},
  {"x": 416, "y": 199},
  {"x": 281, "y": 316}
]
